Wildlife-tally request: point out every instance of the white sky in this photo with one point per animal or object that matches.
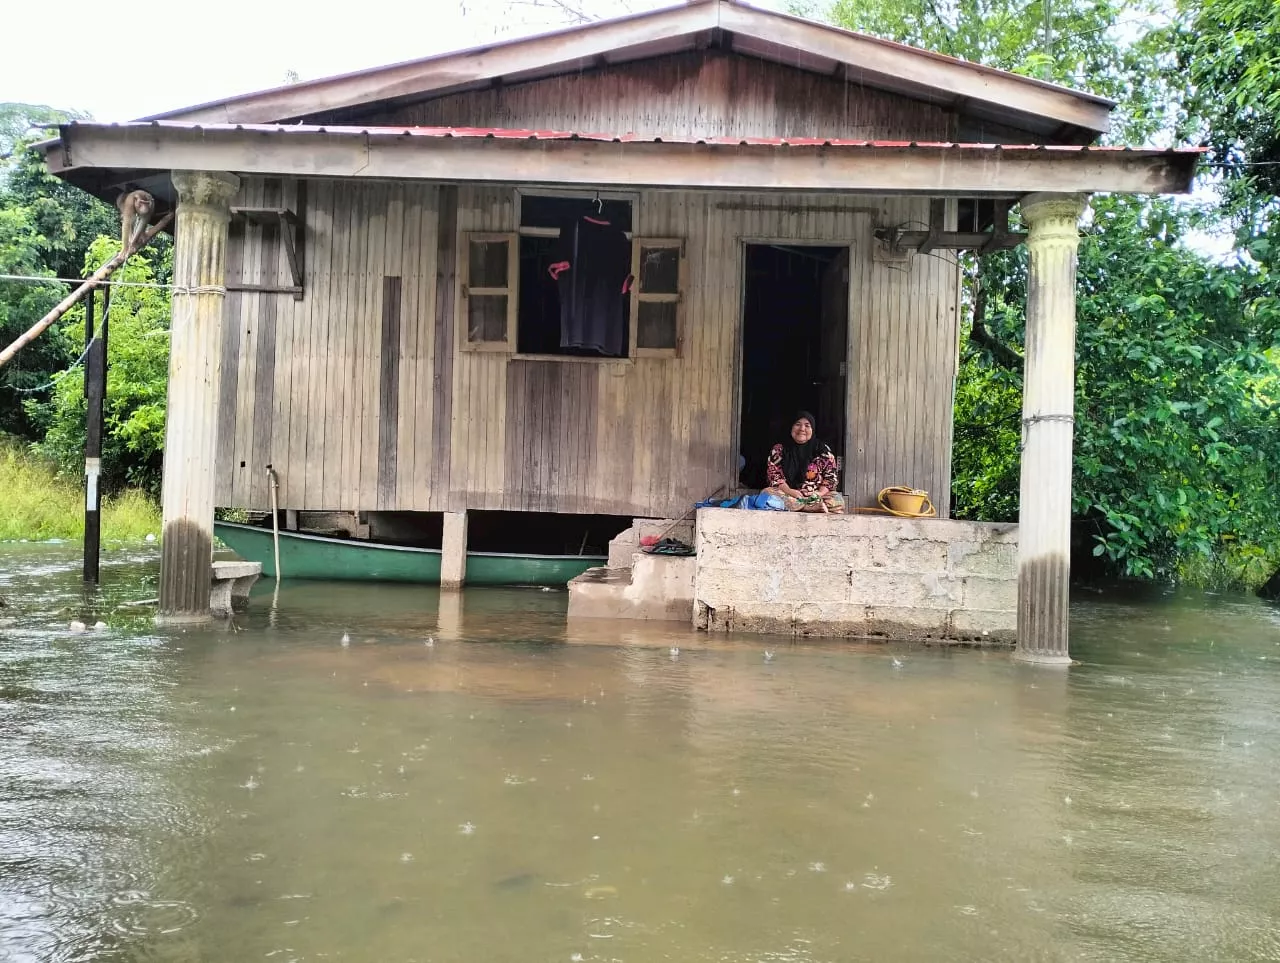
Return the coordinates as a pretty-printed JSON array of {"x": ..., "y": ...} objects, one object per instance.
[{"x": 205, "y": 51}]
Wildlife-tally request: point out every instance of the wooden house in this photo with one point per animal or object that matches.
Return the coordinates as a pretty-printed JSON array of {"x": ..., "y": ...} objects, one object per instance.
[{"x": 363, "y": 298}]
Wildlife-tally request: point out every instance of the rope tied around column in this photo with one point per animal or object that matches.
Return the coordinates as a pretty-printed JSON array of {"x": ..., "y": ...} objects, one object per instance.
[
  {"x": 1034, "y": 419},
  {"x": 200, "y": 289}
]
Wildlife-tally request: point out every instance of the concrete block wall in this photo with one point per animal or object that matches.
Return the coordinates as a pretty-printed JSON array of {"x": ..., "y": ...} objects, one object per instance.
[{"x": 864, "y": 576}]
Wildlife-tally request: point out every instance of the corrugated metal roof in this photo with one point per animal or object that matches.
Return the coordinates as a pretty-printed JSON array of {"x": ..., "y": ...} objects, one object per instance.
[{"x": 517, "y": 134}]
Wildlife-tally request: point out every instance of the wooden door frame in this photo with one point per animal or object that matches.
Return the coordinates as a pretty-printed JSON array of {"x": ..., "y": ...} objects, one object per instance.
[{"x": 740, "y": 342}]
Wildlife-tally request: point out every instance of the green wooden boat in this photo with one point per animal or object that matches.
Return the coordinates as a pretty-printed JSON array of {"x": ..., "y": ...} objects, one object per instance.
[{"x": 305, "y": 556}]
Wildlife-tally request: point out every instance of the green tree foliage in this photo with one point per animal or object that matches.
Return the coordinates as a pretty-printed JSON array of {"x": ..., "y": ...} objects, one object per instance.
[
  {"x": 46, "y": 227},
  {"x": 1177, "y": 436},
  {"x": 1177, "y": 401},
  {"x": 137, "y": 376},
  {"x": 1229, "y": 52},
  {"x": 19, "y": 121},
  {"x": 21, "y": 305}
]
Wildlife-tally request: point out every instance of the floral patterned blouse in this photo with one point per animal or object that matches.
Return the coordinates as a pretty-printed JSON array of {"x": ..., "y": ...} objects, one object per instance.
[{"x": 821, "y": 473}]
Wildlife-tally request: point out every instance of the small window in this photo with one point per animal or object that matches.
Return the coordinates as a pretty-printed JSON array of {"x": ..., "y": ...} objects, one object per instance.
[
  {"x": 514, "y": 286},
  {"x": 658, "y": 268},
  {"x": 489, "y": 291}
]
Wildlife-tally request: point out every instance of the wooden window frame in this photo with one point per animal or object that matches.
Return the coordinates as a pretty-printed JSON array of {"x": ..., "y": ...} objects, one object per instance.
[
  {"x": 638, "y": 296},
  {"x": 511, "y": 291}
]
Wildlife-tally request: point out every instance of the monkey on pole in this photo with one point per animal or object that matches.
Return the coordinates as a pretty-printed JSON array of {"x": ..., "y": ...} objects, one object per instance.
[{"x": 134, "y": 237}]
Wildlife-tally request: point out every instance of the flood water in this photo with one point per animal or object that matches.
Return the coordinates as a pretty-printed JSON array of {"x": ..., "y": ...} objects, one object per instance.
[{"x": 526, "y": 792}]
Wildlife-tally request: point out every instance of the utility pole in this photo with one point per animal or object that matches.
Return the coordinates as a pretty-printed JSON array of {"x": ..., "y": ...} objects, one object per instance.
[{"x": 95, "y": 390}]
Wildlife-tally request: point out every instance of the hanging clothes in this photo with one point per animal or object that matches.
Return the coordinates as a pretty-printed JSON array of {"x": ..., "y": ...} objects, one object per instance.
[{"x": 593, "y": 270}]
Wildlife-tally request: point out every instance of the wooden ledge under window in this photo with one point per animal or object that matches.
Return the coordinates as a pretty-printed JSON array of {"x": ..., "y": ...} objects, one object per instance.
[{"x": 574, "y": 358}]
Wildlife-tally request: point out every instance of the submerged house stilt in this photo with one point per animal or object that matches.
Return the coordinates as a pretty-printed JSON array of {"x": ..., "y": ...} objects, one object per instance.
[{"x": 366, "y": 301}]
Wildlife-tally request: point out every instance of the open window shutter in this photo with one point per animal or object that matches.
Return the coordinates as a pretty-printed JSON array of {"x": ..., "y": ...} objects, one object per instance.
[
  {"x": 488, "y": 291},
  {"x": 657, "y": 297}
]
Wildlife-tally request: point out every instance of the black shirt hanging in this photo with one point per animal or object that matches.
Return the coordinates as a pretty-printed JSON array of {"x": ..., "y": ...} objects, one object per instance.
[{"x": 593, "y": 270}]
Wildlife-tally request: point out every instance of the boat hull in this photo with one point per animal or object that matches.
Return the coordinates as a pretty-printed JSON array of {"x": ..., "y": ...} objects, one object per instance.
[{"x": 335, "y": 559}]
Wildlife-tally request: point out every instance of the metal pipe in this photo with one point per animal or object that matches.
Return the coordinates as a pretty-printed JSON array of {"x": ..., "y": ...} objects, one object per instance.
[{"x": 275, "y": 518}]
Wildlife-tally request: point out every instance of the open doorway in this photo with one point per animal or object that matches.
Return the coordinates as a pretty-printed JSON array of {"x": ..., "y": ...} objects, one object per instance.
[{"x": 794, "y": 340}]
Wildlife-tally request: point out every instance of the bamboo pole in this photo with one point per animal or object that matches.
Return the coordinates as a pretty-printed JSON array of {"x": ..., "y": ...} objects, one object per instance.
[{"x": 90, "y": 284}]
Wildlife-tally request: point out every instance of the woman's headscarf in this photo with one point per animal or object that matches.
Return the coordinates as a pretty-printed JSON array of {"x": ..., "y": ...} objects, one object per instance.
[{"x": 797, "y": 458}]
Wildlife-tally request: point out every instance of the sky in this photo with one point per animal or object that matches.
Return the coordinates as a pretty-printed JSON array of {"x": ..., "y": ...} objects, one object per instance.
[{"x": 199, "y": 52}]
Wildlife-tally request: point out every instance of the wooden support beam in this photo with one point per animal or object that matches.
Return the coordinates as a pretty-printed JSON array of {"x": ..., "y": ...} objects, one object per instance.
[
  {"x": 981, "y": 241},
  {"x": 937, "y": 225},
  {"x": 934, "y": 170},
  {"x": 999, "y": 228},
  {"x": 291, "y": 232}
]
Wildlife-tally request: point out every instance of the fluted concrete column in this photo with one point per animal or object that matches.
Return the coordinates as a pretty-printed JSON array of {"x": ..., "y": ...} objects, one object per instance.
[
  {"x": 1048, "y": 408},
  {"x": 199, "y": 276}
]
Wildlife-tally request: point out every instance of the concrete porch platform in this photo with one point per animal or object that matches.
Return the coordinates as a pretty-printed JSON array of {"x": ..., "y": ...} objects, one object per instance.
[{"x": 860, "y": 576}]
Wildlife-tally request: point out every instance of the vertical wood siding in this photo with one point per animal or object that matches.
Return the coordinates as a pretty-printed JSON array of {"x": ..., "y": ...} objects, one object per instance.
[
  {"x": 359, "y": 397},
  {"x": 308, "y": 384},
  {"x": 703, "y": 93}
]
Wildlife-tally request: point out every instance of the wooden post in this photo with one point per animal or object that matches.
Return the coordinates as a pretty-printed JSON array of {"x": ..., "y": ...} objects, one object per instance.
[
  {"x": 1048, "y": 405},
  {"x": 453, "y": 561},
  {"x": 95, "y": 389},
  {"x": 199, "y": 277}
]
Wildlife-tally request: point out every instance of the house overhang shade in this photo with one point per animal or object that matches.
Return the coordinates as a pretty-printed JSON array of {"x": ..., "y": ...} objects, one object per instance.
[{"x": 120, "y": 153}]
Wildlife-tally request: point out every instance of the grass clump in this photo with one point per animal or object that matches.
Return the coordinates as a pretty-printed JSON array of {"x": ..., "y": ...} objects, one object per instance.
[{"x": 37, "y": 504}]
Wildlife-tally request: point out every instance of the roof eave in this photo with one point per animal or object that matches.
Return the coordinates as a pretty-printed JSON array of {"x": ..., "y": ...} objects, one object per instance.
[{"x": 933, "y": 170}]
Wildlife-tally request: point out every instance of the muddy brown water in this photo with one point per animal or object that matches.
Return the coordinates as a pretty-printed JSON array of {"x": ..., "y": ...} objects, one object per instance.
[{"x": 524, "y": 791}]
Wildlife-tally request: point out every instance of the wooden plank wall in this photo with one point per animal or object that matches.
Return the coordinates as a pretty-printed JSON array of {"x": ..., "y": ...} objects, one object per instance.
[
  {"x": 304, "y": 383},
  {"x": 362, "y": 403},
  {"x": 702, "y": 93},
  {"x": 903, "y": 352}
]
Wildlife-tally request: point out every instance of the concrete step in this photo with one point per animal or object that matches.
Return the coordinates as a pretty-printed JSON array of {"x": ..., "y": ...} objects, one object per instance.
[{"x": 655, "y": 588}]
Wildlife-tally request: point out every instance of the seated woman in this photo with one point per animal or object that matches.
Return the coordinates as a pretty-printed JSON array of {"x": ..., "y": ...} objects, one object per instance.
[{"x": 803, "y": 472}]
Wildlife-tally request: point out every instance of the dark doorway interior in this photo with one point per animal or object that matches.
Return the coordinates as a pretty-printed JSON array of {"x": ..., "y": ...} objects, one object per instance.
[{"x": 795, "y": 334}]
